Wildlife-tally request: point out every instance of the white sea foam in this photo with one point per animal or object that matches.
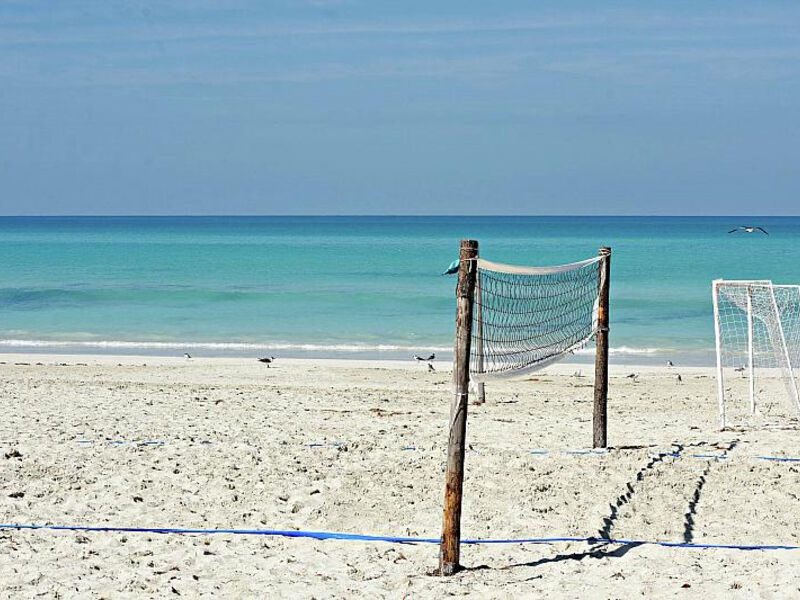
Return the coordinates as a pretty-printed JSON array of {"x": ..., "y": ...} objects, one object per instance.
[
  {"x": 278, "y": 346},
  {"x": 225, "y": 346},
  {"x": 628, "y": 350}
]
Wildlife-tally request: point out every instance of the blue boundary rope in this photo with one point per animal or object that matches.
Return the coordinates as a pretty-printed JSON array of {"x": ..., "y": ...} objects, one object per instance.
[
  {"x": 326, "y": 535},
  {"x": 778, "y": 458}
]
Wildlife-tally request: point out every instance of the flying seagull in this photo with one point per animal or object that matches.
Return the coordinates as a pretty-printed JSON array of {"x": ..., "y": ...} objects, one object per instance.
[
  {"x": 266, "y": 360},
  {"x": 431, "y": 357},
  {"x": 749, "y": 229}
]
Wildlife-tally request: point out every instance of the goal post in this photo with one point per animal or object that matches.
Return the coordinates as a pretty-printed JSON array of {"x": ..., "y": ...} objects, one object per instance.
[
  {"x": 756, "y": 331},
  {"x": 787, "y": 303},
  {"x": 788, "y": 300},
  {"x": 510, "y": 321}
]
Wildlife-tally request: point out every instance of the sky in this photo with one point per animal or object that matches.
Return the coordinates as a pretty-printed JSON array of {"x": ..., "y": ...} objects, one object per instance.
[{"x": 370, "y": 107}]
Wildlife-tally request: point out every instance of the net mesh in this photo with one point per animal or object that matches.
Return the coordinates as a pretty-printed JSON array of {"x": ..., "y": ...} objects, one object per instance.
[
  {"x": 766, "y": 317},
  {"x": 788, "y": 301},
  {"x": 735, "y": 300},
  {"x": 526, "y": 318}
]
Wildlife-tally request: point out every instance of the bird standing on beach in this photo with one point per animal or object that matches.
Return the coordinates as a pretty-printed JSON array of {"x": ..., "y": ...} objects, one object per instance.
[
  {"x": 749, "y": 229},
  {"x": 670, "y": 363},
  {"x": 430, "y": 368},
  {"x": 187, "y": 355},
  {"x": 267, "y": 360},
  {"x": 680, "y": 379}
]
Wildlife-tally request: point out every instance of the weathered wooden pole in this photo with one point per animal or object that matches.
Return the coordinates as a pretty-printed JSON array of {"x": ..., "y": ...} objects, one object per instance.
[
  {"x": 454, "y": 477},
  {"x": 600, "y": 423}
]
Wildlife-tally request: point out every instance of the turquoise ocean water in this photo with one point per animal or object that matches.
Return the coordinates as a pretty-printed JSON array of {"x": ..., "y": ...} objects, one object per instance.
[{"x": 351, "y": 286}]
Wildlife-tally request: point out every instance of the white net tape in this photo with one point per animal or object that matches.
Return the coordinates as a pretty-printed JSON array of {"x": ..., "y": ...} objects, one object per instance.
[{"x": 528, "y": 317}]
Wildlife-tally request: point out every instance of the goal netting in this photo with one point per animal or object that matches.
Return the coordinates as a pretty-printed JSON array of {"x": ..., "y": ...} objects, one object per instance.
[
  {"x": 757, "y": 330},
  {"x": 787, "y": 298},
  {"x": 526, "y": 318}
]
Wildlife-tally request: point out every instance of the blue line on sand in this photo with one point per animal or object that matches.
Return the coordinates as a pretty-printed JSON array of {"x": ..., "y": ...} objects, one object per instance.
[
  {"x": 121, "y": 443},
  {"x": 325, "y": 535},
  {"x": 778, "y": 458}
]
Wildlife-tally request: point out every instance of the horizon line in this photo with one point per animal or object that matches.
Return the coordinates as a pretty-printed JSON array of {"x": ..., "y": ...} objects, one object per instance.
[{"x": 366, "y": 215}]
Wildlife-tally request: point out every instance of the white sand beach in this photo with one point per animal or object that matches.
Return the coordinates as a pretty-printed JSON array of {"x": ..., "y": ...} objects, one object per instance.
[{"x": 359, "y": 447}]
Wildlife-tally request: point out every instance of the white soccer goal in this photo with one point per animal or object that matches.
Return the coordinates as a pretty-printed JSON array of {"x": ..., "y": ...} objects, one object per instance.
[{"x": 757, "y": 330}]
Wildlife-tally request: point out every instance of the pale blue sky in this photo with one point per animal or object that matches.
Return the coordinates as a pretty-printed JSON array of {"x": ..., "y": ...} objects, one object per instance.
[{"x": 347, "y": 107}]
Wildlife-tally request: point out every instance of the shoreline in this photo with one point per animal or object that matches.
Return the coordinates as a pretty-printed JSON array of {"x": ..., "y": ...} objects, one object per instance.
[
  {"x": 444, "y": 365},
  {"x": 623, "y": 355}
]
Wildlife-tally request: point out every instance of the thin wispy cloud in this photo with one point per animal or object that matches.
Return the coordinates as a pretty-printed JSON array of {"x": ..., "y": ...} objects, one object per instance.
[
  {"x": 624, "y": 45},
  {"x": 149, "y": 29},
  {"x": 468, "y": 68}
]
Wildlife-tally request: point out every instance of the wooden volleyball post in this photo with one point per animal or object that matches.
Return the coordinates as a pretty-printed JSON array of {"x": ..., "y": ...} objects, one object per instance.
[
  {"x": 600, "y": 422},
  {"x": 449, "y": 551}
]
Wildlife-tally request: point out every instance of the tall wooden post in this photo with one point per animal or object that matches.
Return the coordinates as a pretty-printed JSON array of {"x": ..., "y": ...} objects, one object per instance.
[
  {"x": 454, "y": 477},
  {"x": 600, "y": 423}
]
